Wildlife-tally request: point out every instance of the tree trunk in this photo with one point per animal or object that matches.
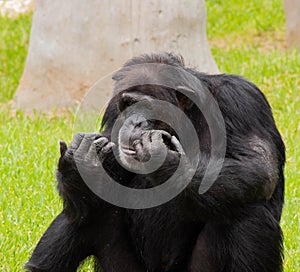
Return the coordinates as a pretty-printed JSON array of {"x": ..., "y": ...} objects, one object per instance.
[
  {"x": 73, "y": 43},
  {"x": 292, "y": 12}
]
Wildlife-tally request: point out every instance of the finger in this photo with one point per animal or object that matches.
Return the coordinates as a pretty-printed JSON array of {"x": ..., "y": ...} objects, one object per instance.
[
  {"x": 156, "y": 136},
  {"x": 106, "y": 150},
  {"x": 108, "y": 147},
  {"x": 77, "y": 138},
  {"x": 142, "y": 152},
  {"x": 177, "y": 145},
  {"x": 100, "y": 143},
  {"x": 62, "y": 148},
  {"x": 85, "y": 144},
  {"x": 137, "y": 145},
  {"x": 165, "y": 133},
  {"x": 146, "y": 140}
]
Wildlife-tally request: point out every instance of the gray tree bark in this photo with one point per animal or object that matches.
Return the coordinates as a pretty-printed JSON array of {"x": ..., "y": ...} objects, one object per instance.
[
  {"x": 292, "y": 12},
  {"x": 73, "y": 43}
]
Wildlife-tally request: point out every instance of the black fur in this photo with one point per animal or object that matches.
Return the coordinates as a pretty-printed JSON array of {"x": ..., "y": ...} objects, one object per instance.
[{"x": 233, "y": 227}]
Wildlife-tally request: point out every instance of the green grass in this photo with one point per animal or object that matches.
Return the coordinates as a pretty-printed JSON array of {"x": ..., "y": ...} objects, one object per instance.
[
  {"x": 247, "y": 38},
  {"x": 236, "y": 18}
]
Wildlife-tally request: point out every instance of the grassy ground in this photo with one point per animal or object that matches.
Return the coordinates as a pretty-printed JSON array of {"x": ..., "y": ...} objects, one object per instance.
[{"x": 247, "y": 38}]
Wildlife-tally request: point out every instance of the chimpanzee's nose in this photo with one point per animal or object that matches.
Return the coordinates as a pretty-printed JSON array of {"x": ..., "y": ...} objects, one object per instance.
[{"x": 138, "y": 124}]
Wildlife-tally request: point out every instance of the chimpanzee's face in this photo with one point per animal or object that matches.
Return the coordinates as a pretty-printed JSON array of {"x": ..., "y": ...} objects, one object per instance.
[{"x": 137, "y": 133}]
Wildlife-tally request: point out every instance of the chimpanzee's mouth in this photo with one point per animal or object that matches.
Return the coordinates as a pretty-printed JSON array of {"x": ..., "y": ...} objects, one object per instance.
[{"x": 130, "y": 151}]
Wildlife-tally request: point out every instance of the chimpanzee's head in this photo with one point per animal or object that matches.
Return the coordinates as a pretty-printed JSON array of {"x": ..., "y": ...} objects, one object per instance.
[{"x": 140, "y": 85}]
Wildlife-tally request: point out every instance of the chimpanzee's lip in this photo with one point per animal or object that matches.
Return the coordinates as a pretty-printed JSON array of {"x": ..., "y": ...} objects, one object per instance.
[{"x": 128, "y": 150}]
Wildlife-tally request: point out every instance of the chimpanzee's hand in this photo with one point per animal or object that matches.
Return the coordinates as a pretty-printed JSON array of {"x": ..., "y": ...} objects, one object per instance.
[
  {"x": 160, "y": 145},
  {"x": 85, "y": 149},
  {"x": 156, "y": 143}
]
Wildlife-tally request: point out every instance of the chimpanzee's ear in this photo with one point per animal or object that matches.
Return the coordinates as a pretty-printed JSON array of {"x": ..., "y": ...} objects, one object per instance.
[{"x": 185, "y": 97}]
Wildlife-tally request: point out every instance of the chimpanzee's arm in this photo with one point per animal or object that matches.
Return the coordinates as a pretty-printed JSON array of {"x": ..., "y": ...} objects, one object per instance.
[
  {"x": 88, "y": 225},
  {"x": 62, "y": 247},
  {"x": 248, "y": 177},
  {"x": 241, "y": 181}
]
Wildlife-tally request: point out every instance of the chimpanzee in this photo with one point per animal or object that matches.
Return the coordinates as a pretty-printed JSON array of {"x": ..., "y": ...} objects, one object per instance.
[{"x": 233, "y": 225}]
